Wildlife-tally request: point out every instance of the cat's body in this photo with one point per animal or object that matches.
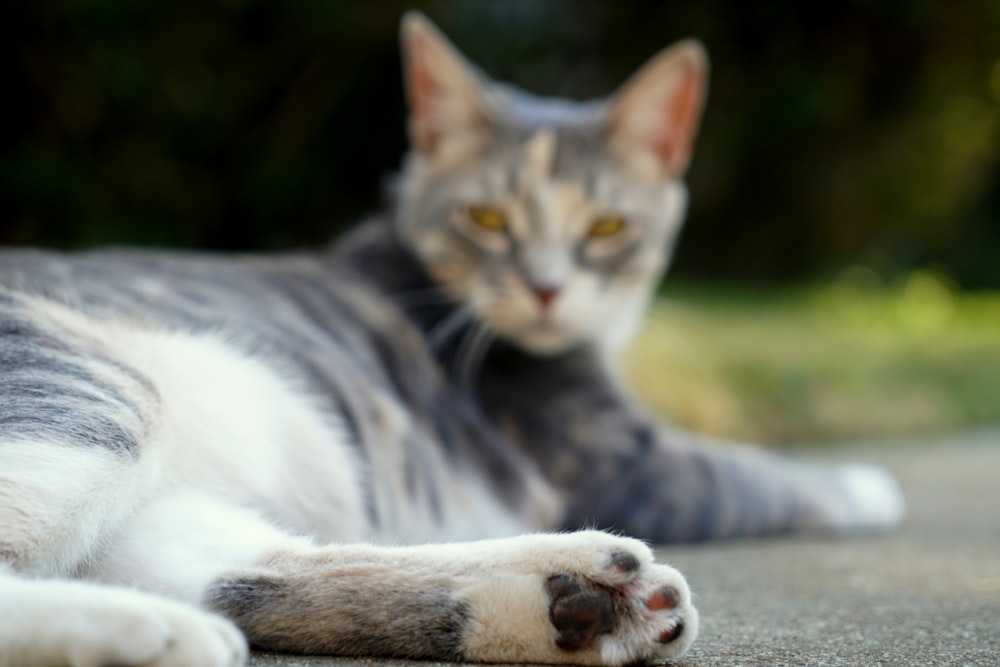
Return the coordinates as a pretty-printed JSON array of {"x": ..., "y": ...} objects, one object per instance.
[
  {"x": 349, "y": 406},
  {"x": 198, "y": 427}
]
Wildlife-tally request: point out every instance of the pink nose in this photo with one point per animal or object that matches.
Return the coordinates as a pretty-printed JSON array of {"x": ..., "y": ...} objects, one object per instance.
[{"x": 546, "y": 295}]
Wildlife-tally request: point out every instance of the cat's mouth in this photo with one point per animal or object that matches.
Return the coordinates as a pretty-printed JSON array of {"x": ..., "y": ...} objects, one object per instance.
[
  {"x": 545, "y": 320},
  {"x": 540, "y": 330},
  {"x": 543, "y": 335}
]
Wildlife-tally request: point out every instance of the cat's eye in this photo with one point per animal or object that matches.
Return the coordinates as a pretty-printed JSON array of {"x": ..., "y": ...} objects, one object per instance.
[
  {"x": 490, "y": 219},
  {"x": 605, "y": 226}
]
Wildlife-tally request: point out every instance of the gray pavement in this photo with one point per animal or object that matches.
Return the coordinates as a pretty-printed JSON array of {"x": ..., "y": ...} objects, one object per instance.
[{"x": 928, "y": 594}]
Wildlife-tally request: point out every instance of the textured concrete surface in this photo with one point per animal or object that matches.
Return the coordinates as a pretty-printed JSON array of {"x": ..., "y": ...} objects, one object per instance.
[{"x": 928, "y": 594}]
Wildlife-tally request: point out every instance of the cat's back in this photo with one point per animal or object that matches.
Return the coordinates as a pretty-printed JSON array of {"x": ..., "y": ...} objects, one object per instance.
[
  {"x": 198, "y": 368},
  {"x": 296, "y": 306},
  {"x": 246, "y": 370},
  {"x": 177, "y": 288},
  {"x": 323, "y": 333}
]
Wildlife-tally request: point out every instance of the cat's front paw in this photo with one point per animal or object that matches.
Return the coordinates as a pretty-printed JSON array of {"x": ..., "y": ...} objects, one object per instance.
[
  {"x": 875, "y": 500},
  {"x": 604, "y": 601}
]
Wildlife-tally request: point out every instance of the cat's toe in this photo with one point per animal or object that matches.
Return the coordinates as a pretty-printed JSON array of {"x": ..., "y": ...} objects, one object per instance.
[
  {"x": 665, "y": 597},
  {"x": 625, "y": 563},
  {"x": 667, "y": 610},
  {"x": 671, "y": 635},
  {"x": 196, "y": 639}
]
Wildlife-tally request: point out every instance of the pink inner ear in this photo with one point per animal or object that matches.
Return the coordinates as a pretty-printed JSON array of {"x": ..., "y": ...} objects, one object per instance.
[
  {"x": 421, "y": 84},
  {"x": 423, "y": 88},
  {"x": 677, "y": 115}
]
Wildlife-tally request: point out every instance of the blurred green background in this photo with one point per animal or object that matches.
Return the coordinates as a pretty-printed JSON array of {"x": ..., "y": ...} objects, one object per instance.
[{"x": 846, "y": 179}]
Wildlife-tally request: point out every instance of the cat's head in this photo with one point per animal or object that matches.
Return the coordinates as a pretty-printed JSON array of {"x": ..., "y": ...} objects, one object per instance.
[{"x": 551, "y": 221}]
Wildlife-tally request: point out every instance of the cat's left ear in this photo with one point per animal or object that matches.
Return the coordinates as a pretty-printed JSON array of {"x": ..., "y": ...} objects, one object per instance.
[
  {"x": 445, "y": 95},
  {"x": 655, "y": 115}
]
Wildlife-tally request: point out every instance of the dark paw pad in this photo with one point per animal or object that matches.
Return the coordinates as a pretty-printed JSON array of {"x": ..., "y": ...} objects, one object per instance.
[{"x": 579, "y": 614}]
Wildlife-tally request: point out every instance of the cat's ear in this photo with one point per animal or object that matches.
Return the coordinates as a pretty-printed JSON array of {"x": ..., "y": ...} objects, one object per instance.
[
  {"x": 445, "y": 94},
  {"x": 655, "y": 114}
]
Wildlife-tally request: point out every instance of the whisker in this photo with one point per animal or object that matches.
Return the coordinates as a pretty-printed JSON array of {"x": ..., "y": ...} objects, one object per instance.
[
  {"x": 471, "y": 353},
  {"x": 447, "y": 327},
  {"x": 428, "y": 296}
]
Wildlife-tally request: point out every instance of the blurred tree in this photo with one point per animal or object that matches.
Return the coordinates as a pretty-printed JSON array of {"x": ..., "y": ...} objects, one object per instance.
[{"x": 856, "y": 132}]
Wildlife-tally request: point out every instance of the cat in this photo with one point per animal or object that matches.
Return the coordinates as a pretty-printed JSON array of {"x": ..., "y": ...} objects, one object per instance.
[{"x": 371, "y": 449}]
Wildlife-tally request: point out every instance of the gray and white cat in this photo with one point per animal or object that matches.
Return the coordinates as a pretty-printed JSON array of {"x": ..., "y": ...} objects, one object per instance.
[{"x": 198, "y": 451}]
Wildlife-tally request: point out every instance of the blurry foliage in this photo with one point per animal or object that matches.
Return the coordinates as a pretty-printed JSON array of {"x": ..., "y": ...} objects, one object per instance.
[
  {"x": 854, "y": 358},
  {"x": 862, "y": 132}
]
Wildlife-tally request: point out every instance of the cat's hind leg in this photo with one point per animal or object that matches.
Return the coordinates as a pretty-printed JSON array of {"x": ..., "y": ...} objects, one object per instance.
[
  {"x": 57, "y": 623},
  {"x": 60, "y": 505}
]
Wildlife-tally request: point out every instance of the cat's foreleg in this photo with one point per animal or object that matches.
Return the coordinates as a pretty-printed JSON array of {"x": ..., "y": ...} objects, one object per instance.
[
  {"x": 581, "y": 598},
  {"x": 669, "y": 486},
  {"x": 616, "y": 467}
]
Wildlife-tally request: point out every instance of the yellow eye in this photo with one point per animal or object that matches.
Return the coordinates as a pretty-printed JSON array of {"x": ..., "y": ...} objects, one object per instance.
[
  {"x": 490, "y": 219},
  {"x": 605, "y": 226}
]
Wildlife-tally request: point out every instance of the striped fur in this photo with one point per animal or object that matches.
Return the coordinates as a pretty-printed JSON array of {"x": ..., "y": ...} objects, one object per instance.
[{"x": 186, "y": 437}]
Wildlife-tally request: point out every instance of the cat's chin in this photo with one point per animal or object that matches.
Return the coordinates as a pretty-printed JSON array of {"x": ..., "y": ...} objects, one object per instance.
[{"x": 543, "y": 341}]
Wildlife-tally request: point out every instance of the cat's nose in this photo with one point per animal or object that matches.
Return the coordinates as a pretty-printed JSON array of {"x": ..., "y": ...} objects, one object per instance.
[{"x": 546, "y": 295}]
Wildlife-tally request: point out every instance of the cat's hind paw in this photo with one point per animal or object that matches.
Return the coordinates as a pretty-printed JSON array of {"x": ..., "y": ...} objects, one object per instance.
[{"x": 91, "y": 626}]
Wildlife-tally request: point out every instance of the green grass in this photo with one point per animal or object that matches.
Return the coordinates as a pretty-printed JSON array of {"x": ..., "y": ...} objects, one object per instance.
[{"x": 849, "y": 360}]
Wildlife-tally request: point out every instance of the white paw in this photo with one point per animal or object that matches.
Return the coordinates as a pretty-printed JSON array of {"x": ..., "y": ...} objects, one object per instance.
[
  {"x": 586, "y": 598},
  {"x": 93, "y": 626},
  {"x": 876, "y": 500},
  {"x": 626, "y": 608}
]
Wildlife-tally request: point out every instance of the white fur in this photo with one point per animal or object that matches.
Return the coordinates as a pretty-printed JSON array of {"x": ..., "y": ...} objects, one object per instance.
[
  {"x": 875, "y": 497},
  {"x": 293, "y": 462},
  {"x": 60, "y": 623},
  {"x": 510, "y": 607},
  {"x": 231, "y": 426},
  {"x": 51, "y": 533},
  {"x": 179, "y": 544}
]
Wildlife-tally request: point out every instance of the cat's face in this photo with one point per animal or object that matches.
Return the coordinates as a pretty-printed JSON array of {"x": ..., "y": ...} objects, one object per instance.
[{"x": 550, "y": 221}]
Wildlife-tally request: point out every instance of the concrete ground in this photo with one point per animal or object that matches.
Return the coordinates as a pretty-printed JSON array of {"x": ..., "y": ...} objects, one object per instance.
[{"x": 928, "y": 594}]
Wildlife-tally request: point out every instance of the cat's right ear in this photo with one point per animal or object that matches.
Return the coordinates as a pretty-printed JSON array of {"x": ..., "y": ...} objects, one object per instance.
[{"x": 445, "y": 95}]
